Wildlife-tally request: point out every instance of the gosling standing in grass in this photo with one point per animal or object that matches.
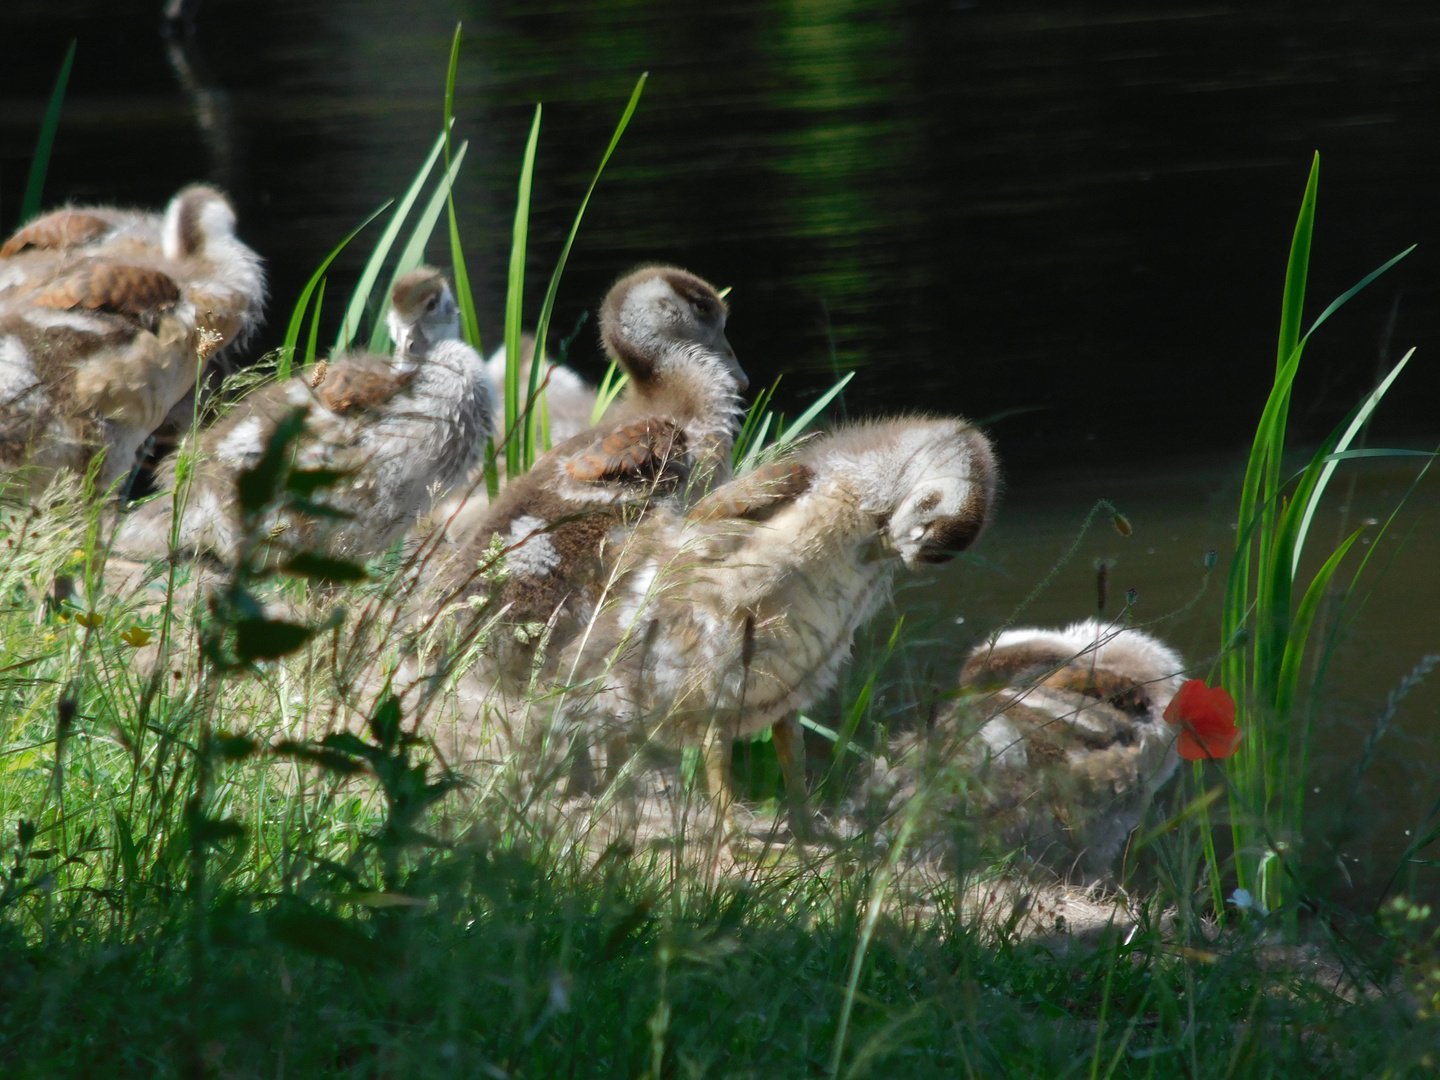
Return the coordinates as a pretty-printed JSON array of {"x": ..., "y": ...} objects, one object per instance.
[
  {"x": 106, "y": 316},
  {"x": 404, "y": 428},
  {"x": 669, "y": 435},
  {"x": 1060, "y": 740},
  {"x": 731, "y": 618}
]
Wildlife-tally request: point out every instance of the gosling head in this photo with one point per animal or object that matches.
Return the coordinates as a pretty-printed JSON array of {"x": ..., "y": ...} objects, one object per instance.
[
  {"x": 198, "y": 220},
  {"x": 944, "y": 484},
  {"x": 423, "y": 311},
  {"x": 659, "y": 319}
]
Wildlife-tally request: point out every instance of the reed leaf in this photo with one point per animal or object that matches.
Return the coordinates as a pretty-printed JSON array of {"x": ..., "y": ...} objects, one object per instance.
[
  {"x": 1341, "y": 448},
  {"x": 805, "y": 419},
  {"x": 315, "y": 324},
  {"x": 610, "y": 387},
  {"x": 413, "y": 253},
  {"x": 297, "y": 317},
  {"x": 515, "y": 300},
  {"x": 464, "y": 294},
  {"x": 355, "y": 311},
  {"x": 542, "y": 324},
  {"x": 45, "y": 142}
]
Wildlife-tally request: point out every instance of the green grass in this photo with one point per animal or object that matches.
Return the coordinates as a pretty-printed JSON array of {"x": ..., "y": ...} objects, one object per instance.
[
  {"x": 199, "y": 890},
  {"x": 1265, "y": 630}
]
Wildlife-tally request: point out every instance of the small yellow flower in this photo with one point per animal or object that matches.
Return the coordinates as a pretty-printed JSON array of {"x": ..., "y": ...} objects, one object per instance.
[
  {"x": 89, "y": 619},
  {"x": 137, "y": 636}
]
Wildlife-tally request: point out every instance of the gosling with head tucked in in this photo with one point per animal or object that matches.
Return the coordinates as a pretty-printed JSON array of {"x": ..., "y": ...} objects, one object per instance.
[
  {"x": 1058, "y": 740},
  {"x": 106, "y": 317},
  {"x": 404, "y": 429},
  {"x": 734, "y": 616}
]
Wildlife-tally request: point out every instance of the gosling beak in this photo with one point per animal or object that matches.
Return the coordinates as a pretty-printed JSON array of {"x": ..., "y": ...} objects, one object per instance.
[{"x": 728, "y": 352}]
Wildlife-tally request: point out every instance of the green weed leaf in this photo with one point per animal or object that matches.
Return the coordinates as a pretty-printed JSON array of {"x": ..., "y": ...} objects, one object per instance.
[
  {"x": 268, "y": 639},
  {"x": 308, "y": 564}
]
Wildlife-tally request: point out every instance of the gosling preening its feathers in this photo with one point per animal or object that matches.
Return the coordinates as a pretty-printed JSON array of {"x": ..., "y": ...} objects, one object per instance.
[
  {"x": 668, "y": 437},
  {"x": 403, "y": 428},
  {"x": 105, "y": 318},
  {"x": 1061, "y": 739},
  {"x": 728, "y": 619}
]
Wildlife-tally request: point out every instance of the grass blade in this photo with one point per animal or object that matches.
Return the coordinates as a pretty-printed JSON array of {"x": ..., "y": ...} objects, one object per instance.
[
  {"x": 355, "y": 312},
  {"x": 805, "y": 419},
  {"x": 297, "y": 317},
  {"x": 515, "y": 300},
  {"x": 1341, "y": 447},
  {"x": 542, "y": 324},
  {"x": 40, "y": 163},
  {"x": 315, "y": 324},
  {"x": 1289, "y": 680},
  {"x": 464, "y": 294},
  {"x": 610, "y": 387},
  {"x": 414, "y": 251}
]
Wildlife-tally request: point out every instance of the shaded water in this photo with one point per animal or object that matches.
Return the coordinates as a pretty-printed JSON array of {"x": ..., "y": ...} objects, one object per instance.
[{"x": 1075, "y": 212}]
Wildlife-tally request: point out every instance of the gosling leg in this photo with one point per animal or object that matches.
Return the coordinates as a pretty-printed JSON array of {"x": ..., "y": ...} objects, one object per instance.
[
  {"x": 716, "y": 754},
  {"x": 789, "y": 741}
]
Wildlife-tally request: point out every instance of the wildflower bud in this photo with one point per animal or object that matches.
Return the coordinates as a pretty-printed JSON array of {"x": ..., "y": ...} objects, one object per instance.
[
  {"x": 1131, "y": 596},
  {"x": 1122, "y": 524}
]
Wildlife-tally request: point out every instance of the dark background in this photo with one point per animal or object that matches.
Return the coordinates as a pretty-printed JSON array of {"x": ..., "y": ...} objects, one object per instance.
[{"x": 1082, "y": 209}]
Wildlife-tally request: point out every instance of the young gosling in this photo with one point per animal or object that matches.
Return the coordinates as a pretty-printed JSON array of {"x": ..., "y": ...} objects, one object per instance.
[
  {"x": 105, "y": 317},
  {"x": 1062, "y": 739},
  {"x": 742, "y": 612},
  {"x": 670, "y": 434},
  {"x": 404, "y": 428}
]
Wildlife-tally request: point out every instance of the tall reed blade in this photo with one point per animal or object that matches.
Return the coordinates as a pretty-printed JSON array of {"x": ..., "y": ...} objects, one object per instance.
[
  {"x": 297, "y": 316},
  {"x": 355, "y": 312},
  {"x": 542, "y": 324},
  {"x": 469, "y": 323},
  {"x": 515, "y": 301},
  {"x": 45, "y": 144},
  {"x": 414, "y": 251}
]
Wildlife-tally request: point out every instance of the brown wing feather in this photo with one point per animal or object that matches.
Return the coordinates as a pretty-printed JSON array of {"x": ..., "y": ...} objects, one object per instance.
[
  {"x": 60, "y": 229},
  {"x": 128, "y": 290},
  {"x": 646, "y": 449},
  {"x": 757, "y": 494},
  {"x": 352, "y": 388}
]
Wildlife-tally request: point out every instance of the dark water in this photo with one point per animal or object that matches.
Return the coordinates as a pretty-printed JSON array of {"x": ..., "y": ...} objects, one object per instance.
[{"x": 1074, "y": 213}]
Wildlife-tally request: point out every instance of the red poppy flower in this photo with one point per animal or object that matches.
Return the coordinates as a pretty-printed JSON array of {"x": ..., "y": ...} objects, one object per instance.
[{"x": 1206, "y": 718}]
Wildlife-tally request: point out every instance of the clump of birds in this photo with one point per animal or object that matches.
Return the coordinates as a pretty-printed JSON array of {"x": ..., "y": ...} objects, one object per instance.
[{"x": 674, "y": 604}]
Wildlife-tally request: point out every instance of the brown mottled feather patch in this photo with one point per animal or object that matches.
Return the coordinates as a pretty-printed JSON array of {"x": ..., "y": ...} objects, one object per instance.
[
  {"x": 126, "y": 290},
  {"x": 757, "y": 494},
  {"x": 346, "y": 389},
  {"x": 60, "y": 229},
  {"x": 646, "y": 448}
]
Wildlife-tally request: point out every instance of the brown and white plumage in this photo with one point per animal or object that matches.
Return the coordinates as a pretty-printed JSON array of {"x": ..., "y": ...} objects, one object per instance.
[
  {"x": 728, "y": 619},
  {"x": 1060, "y": 738},
  {"x": 404, "y": 428},
  {"x": 668, "y": 436},
  {"x": 105, "y": 317}
]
